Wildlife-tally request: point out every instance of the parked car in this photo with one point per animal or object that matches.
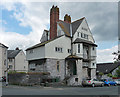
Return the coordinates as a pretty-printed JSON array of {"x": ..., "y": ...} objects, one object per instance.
[
  {"x": 109, "y": 82},
  {"x": 92, "y": 82},
  {"x": 117, "y": 81}
]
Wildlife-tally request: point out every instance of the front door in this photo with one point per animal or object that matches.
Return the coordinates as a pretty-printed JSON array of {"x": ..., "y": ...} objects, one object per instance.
[{"x": 74, "y": 69}]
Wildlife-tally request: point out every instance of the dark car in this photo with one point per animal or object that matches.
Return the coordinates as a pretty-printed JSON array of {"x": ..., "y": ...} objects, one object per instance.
[{"x": 109, "y": 82}]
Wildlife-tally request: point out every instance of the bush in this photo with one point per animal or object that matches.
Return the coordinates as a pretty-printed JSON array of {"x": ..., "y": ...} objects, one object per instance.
[
  {"x": 100, "y": 73},
  {"x": 109, "y": 75},
  {"x": 11, "y": 72}
]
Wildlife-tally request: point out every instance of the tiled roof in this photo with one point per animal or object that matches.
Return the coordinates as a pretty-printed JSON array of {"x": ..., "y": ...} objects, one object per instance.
[
  {"x": 65, "y": 27},
  {"x": 73, "y": 56},
  {"x": 12, "y": 53},
  {"x": 107, "y": 67},
  {"x": 42, "y": 44},
  {"x": 78, "y": 40},
  {"x": 76, "y": 24}
]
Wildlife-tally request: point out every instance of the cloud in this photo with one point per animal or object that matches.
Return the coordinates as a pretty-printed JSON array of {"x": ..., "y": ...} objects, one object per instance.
[
  {"x": 101, "y": 17},
  {"x": 105, "y": 55}
]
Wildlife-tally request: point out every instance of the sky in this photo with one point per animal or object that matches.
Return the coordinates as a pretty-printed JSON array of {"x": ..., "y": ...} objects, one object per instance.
[{"x": 22, "y": 23}]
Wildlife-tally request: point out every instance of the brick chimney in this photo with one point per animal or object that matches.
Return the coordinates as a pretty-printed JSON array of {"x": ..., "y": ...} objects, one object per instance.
[
  {"x": 67, "y": 18},
  {"x": 54, "y": 18}
]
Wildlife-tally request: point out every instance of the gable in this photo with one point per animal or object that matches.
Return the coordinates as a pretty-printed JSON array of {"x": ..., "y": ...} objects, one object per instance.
[{"x": 85, "y": 30}]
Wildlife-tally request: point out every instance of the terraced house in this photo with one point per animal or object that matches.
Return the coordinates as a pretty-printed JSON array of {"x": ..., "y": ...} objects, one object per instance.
[{"x": 67, "y": 50}]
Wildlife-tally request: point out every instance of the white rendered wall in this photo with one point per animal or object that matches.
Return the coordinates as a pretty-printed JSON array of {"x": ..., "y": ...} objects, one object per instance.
[
  {"x": 62, "y": 42},
  {"x": 38, "y": 53},
  {"x": 20, "y": 62}
]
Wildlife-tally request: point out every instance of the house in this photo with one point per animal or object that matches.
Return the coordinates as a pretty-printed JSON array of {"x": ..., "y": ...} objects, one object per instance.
[
  {"x": 67, "y": 50},
  {"x": 17, "y": 61},
  {"x": 106, "y": 68},
  {"x": 3, "y": 59}
]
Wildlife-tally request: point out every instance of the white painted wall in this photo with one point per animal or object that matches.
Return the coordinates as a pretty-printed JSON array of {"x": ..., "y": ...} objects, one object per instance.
[
  {"x": 38, "y": 53},
  {"x": 63, "y": 42},
  {"x": 80, "y": 30},
  {"x": 91, "y": 64},
  {"x": 20, "y": 62},
  {"x": 11, "y": 63},
  {"x": 3, "y": 57},
  {"x": 81, "y": 50}
]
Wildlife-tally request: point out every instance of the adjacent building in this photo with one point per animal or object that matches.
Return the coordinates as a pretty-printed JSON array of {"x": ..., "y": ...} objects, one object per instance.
[
  {"x": 17, "y": 60},
  {"x": 67, "y": 50},
  {"x": 3, "y": 59},
  {"x": 106, "y": 68}
]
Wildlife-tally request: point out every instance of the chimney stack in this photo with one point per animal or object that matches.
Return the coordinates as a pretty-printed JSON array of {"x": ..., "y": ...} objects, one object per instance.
[
  {"x": 54, "y": 18},
  {"x": 67, "y": 18}
]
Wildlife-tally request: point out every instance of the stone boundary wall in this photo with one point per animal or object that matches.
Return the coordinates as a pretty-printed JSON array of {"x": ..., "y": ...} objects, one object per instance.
[{"x": 26, "y": 79}]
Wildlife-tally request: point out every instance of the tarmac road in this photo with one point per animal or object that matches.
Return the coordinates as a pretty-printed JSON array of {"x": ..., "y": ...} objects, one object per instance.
[{"x": 20, "y": 90}]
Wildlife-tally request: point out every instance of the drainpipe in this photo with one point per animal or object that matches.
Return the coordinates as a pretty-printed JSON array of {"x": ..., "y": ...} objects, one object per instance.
[
  {"x": 14, "y": 64},
  {"x": 71, "y": 36},
  {"x": 7, "y": 68}
]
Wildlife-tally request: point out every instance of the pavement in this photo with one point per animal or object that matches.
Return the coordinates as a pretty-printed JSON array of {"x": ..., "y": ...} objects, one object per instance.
[{"x": 38, "y": 90}]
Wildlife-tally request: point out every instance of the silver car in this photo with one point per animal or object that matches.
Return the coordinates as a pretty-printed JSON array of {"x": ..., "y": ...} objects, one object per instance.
[
  {"x": 117, "y": 81},
  {"x": 92, "y": 82}
]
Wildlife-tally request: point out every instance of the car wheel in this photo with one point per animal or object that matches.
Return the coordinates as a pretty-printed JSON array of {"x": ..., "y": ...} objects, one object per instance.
[
  {"x": 102, "y": 85},
  {"x": 108, "y": 84},
  {"x": 115, "y": 84},
  {"x": 93, "y": 85}
]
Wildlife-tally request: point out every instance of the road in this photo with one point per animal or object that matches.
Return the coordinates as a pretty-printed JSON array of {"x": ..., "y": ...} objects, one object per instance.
[{"x": 16, "y": 90}]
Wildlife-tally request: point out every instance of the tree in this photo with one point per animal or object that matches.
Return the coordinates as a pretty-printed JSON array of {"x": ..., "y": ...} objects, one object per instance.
[
  {"x": 109, "y": 75},
  {"x": 100, "y": 73},
  {"x": 117, "y": 56},
  {"x": 118, "y": 72}
]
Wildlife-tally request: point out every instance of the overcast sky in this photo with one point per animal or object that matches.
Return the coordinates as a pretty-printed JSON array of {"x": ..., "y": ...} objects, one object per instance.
[{"x": 23, "y": 23}]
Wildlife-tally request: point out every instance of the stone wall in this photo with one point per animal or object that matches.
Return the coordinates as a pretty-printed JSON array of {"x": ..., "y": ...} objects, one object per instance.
[
  {"x": 85, "y": 72},
  {"x": 51, "y": 66},
  {"x": 27, "y": 79},
  {"x": 93, "y": 73}
]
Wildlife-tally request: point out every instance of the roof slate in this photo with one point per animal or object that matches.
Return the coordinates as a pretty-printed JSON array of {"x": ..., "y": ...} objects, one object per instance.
[
  {"x": 12, "y": 53},
  {"x": 76, "y": 24},
  {"x": 78, "y": 40},
  {"x": 65, "y": 27},
  {"x": 42, "y": 44},
  {"x": 107, "y": 67}
]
